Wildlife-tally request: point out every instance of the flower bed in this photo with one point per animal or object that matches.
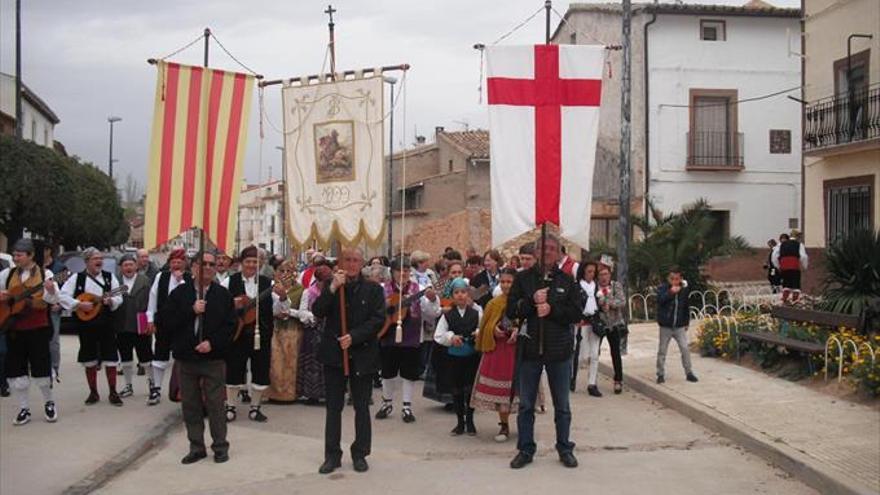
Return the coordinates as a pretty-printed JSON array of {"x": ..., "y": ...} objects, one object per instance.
[{"x": 859, "y": 361}]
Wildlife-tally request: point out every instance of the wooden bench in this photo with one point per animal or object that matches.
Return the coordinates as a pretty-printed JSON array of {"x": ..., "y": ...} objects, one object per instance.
[{"x": 788, "y": 313}]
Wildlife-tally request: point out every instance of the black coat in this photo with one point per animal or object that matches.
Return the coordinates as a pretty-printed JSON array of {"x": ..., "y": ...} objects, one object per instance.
[
  {"x": 673, "y": 310},
  {"x": 365, "y": 314},
  {"x": 480, "y": 280},
  {"x": 566, "y": 305},
  {"x": 179, "y": 321}
]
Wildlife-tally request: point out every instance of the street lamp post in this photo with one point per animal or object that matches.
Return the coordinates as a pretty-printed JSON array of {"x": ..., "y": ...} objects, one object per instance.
[
  {"x": 392, "y": 81},
  {"x": 111, "y": 120},
  {"x": 283, "y": 200}
]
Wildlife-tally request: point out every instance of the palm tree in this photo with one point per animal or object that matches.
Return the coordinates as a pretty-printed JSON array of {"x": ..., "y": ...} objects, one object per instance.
[
  {"x": 687, "y": 239},
  {"x": 852, "y": 283}
]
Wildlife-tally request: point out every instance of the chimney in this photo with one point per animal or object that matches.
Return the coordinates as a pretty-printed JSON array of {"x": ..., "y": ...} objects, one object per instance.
[
  {"x": 420, "y": 140},
  {"x": 437, "y": 131}
]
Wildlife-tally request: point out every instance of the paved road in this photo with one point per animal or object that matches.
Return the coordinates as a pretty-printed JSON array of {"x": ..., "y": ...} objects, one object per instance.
[
  {"x": 42, "y": 458},
  {"x": 626, "y": 444}
]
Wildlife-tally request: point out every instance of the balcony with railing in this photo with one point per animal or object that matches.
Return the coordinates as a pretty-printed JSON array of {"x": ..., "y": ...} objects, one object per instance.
[
  {"x": 844, "y": 122},
  {"x": 715, "y": 150}
]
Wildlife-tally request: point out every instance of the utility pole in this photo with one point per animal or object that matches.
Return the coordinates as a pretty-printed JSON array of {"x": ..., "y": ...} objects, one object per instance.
[
  {"x": 625, "y": 134},
  {"x": 111, "y": 120},
  {"x": 19, "y": 125}
]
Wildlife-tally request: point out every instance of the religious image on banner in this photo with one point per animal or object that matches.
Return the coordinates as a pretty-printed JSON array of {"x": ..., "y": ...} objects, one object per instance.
[
  {"x": 334, "y": 149},
  {"x": 544, "y": 122}
]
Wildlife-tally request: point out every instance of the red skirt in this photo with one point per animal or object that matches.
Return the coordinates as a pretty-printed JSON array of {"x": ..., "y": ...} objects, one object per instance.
[{"x": 495, "y": 378}]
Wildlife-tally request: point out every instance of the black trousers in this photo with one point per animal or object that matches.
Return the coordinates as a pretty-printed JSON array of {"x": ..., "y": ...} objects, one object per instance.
[
  {"x": 616, "y": 361},
  {"x": 242, "y": 352},
  {"x": 131, "y": 342},
  {"x": 28, "y": 353},
  {"x": 97, "y": 340},
  {"x": 361, "y": 389},
  {"x": 462, "y": 373},
  {"x": 163, "y": 346},
  {"x": 206, "y": 379}
]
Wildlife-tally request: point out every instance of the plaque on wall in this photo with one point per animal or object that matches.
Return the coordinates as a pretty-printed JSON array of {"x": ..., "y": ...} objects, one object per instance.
[{"x": 780, "y": 141}]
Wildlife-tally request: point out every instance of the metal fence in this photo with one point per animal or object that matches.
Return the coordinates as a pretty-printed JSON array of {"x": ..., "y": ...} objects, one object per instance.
[{"x": 715, "y": 149}]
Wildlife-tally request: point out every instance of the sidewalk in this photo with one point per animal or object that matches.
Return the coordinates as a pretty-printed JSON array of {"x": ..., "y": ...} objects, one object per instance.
[
  {"x": 42, "y": 458},
  {"x": 831, "y": 444}
]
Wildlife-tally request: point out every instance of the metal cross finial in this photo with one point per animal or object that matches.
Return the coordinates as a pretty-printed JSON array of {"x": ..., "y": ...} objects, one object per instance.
[{"x": 330, "y": 11}]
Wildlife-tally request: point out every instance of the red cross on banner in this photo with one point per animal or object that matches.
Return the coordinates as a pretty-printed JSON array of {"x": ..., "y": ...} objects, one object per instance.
[{"x": 543, "y": 117}]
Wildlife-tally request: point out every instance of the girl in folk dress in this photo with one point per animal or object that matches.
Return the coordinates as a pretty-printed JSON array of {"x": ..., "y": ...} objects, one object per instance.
[
  {"x": 497, "y": 342},
  {"x": 287, "y": 339}
]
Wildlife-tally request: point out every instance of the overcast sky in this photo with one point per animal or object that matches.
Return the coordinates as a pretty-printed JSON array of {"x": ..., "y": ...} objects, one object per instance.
[{"x": 87, "y": 59}]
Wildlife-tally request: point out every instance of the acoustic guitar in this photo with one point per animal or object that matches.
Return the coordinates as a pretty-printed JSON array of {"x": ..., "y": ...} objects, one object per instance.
[
  {"x": 19, "y": 296},
  {"x": 392, "y": 305},
  {"x": 247, "y": 314},
  {"x": 97, "y": 302}
]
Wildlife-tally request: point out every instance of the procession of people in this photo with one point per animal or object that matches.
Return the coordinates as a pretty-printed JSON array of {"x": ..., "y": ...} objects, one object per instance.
[{"x": 479, "y": 333}]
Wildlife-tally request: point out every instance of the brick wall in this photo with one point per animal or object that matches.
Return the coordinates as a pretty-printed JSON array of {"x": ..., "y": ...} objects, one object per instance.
[{"x": 749, "y": 267}]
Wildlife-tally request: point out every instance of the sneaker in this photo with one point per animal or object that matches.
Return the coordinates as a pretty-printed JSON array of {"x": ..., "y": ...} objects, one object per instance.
[
  {"x": 661, "y": 379},
  {"x": 24, "y": 416},
  {"x": 114, "y": 399},
  {"x": 93, "y": 398},
  {"x": 504, "y": 434},
  {"x": 230, "y": 414},
  {"x": 360, "y": 465},
  {"x": 256, "y": 415},
  {"x": 155, "y": 396},
  {"x": 385, "y": 410},
  {"x": 692, "y": 378},
  {"x": 408, "y": 416},
  {"x": 51, "y": 412},
  {"x": 127, "y": 391}
]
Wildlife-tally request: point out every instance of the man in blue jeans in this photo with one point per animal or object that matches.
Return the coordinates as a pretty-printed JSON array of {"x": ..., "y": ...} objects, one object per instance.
[{"x": 550, "y": 303}]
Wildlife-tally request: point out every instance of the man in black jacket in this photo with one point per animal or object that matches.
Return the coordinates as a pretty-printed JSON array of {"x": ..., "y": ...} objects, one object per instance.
[
  {"x": 200, "y": 330},
  {"x": 365, "y": 313},
  {"x": 550, "y": 303}
]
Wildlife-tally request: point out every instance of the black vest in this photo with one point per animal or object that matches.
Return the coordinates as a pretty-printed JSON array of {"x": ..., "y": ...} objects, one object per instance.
[
  {"x": 463, "y": 326},
  {"x": 236, "y": 288},
  {"x": 790, "y": 248}
]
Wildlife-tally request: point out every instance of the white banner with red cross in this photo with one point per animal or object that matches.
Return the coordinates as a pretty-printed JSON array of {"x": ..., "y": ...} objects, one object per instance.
[{"x": 544, "y": 122}]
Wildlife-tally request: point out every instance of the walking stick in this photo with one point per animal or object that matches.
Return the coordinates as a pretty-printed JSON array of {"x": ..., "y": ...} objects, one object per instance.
[
  {"x": 343, "y": 320},
  {"x": 576, "y": 359}
]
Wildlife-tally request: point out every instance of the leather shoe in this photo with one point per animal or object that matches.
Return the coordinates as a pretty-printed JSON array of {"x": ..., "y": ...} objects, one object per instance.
[
  {"x": 568, "y": 460},
  {"x": 221, "y": 457},
  {"x": 193, "y": 457},
  {"x": 360, "y": 465},
  {"x": 520, "y": 461},
  {"x": 329, "y": 466}
]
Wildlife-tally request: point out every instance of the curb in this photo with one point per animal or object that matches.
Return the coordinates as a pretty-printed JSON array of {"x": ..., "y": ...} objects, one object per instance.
[
  {"x": 802, "y": 467},
  {"x": 128, "y": 456}
]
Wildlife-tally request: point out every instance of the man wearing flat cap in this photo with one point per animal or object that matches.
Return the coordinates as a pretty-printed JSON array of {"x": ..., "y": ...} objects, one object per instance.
[{"x": 131, "y": 336}]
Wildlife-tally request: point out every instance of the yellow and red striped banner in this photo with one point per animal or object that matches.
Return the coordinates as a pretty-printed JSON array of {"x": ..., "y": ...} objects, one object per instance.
[{"x": 199, "y": 136}]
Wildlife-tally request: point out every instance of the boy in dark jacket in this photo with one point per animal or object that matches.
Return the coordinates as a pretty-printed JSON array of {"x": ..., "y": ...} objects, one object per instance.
[{"x": 673, "y": 316}]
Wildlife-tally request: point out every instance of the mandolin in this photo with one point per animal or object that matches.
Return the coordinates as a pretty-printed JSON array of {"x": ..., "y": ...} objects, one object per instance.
[
  {"x": 392, "y": 304},
  {"x": 247, "y": 315},
  {"x": 19, "y": 296},
  {"x": 97, "y": 302}
]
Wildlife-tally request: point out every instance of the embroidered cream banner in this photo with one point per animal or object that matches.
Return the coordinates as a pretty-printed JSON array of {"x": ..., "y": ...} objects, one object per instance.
[{"x": 334, "y": 151}]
